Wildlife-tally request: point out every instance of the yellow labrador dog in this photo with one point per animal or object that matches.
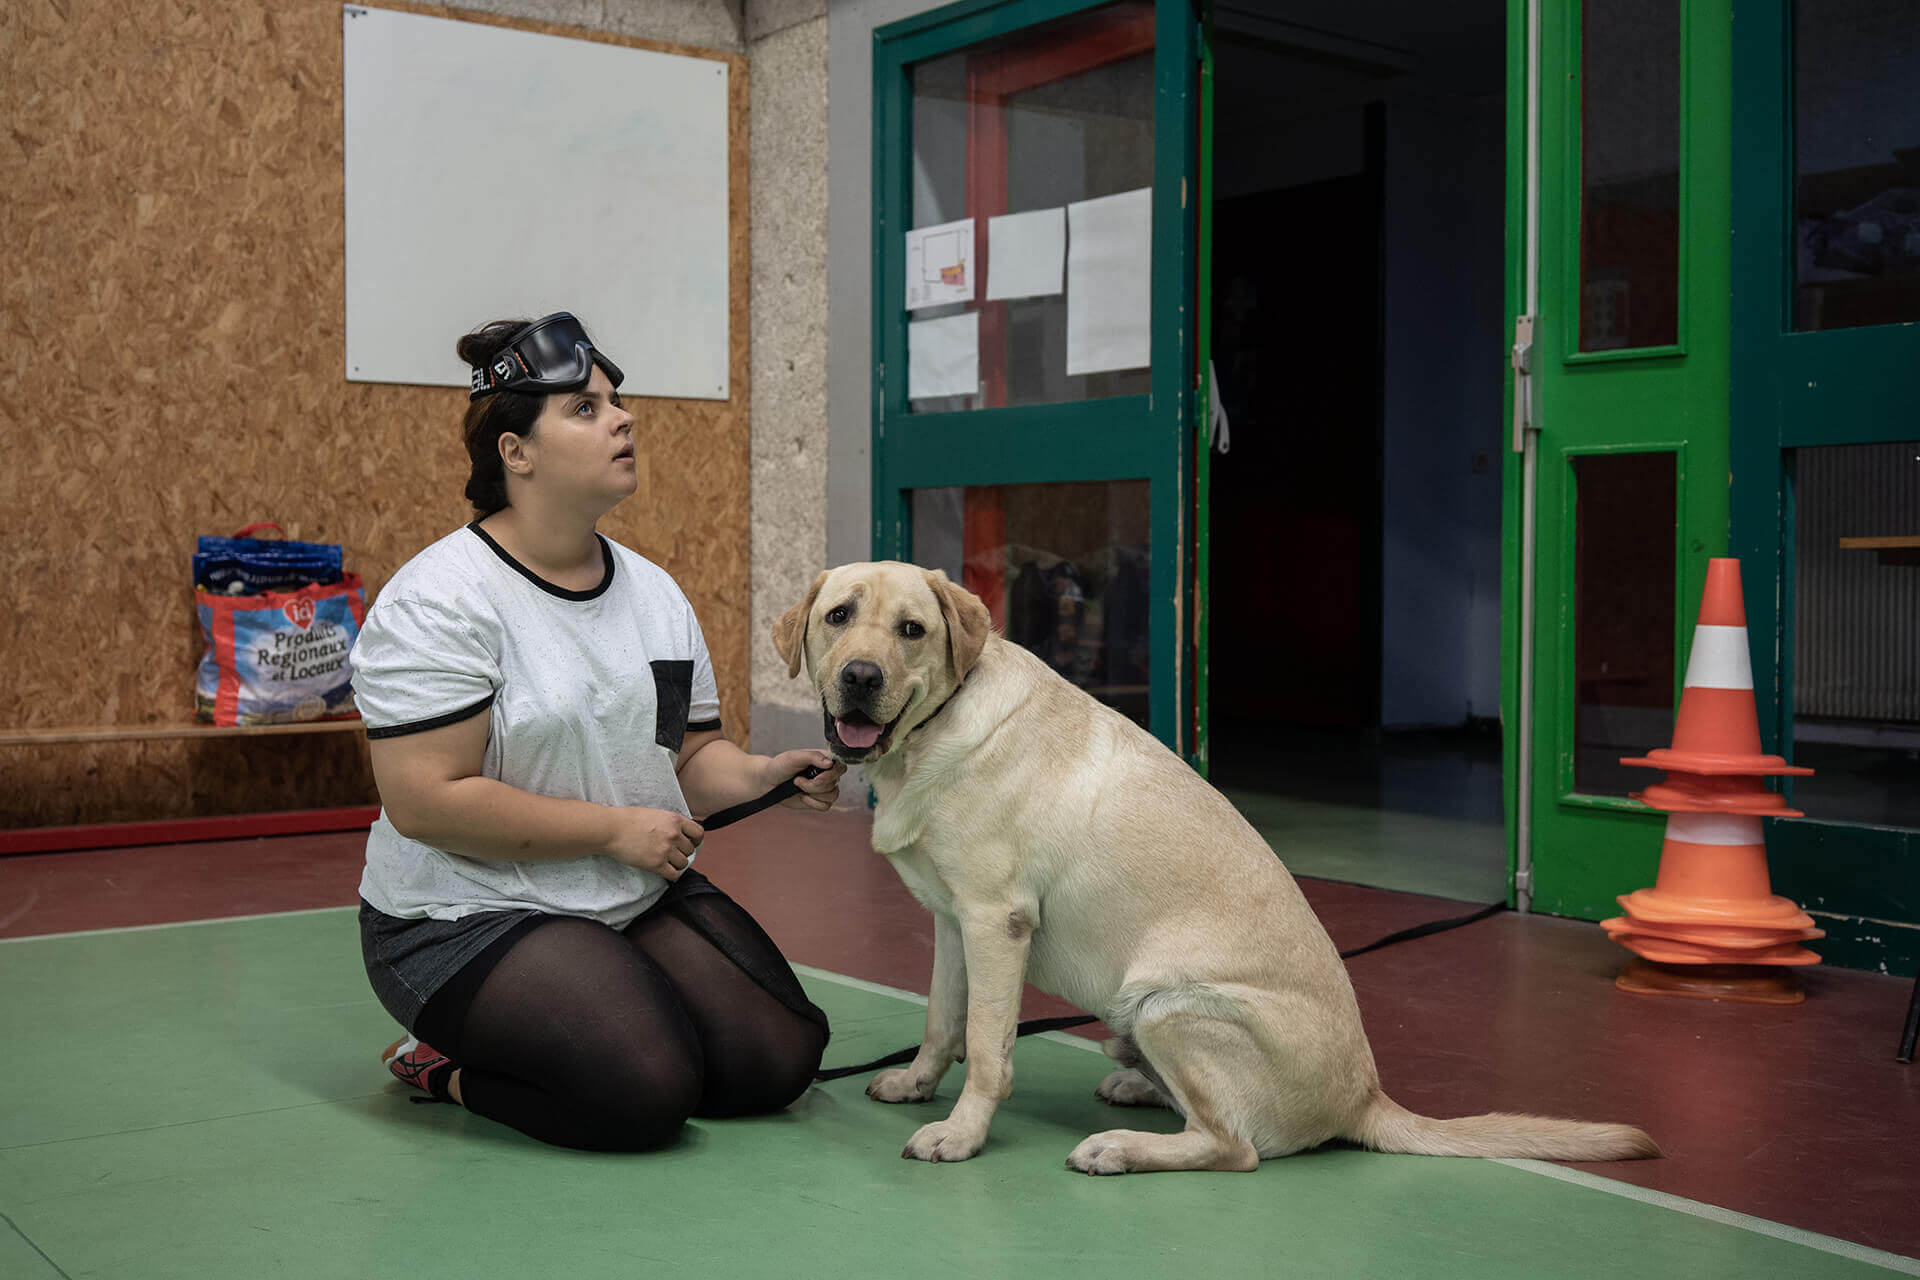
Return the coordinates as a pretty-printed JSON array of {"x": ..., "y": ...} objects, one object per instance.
[{"x": 1056, "y": 842}]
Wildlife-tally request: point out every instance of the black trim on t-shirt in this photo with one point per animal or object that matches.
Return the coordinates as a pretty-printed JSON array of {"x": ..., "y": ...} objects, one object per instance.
[
  {"x": 702, "y": 726},
  {"x": 437, "y": 722},
  {"x": 591, "y": 593},
  {"x": 673, "y": 699}
]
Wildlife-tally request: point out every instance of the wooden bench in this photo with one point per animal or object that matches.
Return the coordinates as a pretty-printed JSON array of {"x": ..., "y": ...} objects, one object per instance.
[
  {"x": 1903, "y": 549},
  {"x": 148, "y": 732},
  {"x": 176, "y": 830}
]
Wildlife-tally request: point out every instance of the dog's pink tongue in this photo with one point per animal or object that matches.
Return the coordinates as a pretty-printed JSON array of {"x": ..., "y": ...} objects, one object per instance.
[{"x": 856, "y": 735}]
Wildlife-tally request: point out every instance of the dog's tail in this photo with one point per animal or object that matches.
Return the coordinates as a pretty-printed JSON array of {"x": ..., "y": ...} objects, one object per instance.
[{"x": 1388, "y": 1126}]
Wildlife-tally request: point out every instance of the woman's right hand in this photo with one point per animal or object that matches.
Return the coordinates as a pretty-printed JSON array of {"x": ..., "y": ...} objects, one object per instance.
[{"x": 656, "y": 840}]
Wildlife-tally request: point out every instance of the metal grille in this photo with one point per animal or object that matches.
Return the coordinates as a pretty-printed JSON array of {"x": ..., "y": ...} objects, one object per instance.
[{"x": 1856, "y": 615}]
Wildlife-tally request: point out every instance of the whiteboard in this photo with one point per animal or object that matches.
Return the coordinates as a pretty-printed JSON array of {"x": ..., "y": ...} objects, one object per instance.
[{"x": 493, "y": 173}]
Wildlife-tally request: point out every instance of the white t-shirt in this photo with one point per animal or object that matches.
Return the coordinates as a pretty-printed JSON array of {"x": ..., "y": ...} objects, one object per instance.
[{"x": 588, "y": 696}]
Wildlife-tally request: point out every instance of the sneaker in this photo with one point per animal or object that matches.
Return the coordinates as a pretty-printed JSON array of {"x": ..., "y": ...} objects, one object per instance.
[{"x": 416, "y": 1064}]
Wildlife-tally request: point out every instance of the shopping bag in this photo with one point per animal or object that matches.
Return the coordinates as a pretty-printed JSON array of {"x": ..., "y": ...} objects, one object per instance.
[
  {"x": 245, "y": 565},
  {"x": 274, "y": 656}
]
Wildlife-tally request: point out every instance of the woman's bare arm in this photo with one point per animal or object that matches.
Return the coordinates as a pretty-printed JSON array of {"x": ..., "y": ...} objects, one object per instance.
[
  {"x": 432, "y": 790},
  {"x": 715, "y": 774}
]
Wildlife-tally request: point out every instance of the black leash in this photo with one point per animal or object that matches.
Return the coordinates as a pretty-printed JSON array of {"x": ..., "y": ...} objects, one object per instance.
[
  {"x": 894, "y": 1059},
  {"x": 728, "y": 816},
  {"x": 1033, "y": 1025},
  {"x": 1423, "y": 930}
]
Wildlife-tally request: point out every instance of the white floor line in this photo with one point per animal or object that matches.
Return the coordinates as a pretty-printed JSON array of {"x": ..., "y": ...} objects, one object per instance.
[
  {"x": 860, "y": 984},
  {"x": 1578, "y": 1177},
  {"x": 175, "y": 924},
  {"x": 1714, "y": 1213}
]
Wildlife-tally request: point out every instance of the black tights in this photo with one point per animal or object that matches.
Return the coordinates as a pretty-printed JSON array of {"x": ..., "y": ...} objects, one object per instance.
[{"x": 605, "y": 1040}]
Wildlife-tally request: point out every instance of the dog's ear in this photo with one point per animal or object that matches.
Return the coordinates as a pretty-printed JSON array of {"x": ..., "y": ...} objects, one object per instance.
[
  {"x": 967, "y": 621},
  {"x": 790, "y": 628}
]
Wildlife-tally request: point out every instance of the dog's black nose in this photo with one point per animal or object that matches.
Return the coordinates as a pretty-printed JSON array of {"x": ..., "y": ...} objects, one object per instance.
[{"x": 862, "y": 677}]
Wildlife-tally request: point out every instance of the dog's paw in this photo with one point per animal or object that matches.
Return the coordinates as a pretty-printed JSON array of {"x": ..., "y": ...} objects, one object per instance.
[
  {"x": 897, "y": 1084},
  {"x": 1110, "y": 1152},
  {"x": 1129, "y": 1088},
  {"x": 1103, "y": 1153},
  {"x": 943, "y": 1142}
]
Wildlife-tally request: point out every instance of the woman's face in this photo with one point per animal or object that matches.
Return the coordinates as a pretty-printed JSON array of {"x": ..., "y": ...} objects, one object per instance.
[{"x": 582, "y": 444}]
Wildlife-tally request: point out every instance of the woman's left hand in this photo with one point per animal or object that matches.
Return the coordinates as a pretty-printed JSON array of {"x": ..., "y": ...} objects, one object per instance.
[{"x": 818, "y": 793}]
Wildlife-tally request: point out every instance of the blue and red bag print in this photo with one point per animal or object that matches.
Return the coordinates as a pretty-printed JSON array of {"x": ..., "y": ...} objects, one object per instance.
[{"x": 274, "y": 656}]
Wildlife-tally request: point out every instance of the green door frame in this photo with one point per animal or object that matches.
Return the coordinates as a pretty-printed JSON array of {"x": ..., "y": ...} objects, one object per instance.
[
  {"x": 1120, "y": 438},
  {"x": 1580, "y": 851},
  {"x": 1845, "y": 386}
]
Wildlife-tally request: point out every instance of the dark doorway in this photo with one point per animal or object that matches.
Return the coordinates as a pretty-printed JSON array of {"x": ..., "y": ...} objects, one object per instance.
[
  {"x": 1357, "y": 315},
  {"x": 1296, "y": 503}
]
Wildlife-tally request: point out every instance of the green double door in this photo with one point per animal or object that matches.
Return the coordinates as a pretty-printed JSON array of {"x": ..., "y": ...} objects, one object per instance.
[{"x": 1713, "y": 228}]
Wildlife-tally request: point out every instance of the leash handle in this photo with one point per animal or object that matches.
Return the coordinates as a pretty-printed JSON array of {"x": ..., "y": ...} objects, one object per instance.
[{"x": 733, "y": 813}]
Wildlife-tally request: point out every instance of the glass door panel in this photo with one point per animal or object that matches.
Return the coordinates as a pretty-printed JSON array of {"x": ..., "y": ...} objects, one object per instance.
[
  {"x": 1063, "y": 569},
  {"x": 1856, "y": 71},
  {"x": 1856, "y": 633},
  {"x": 1624, "y": 506},
  {"x": 1034, "y": 123},
  {"x": 1629, "y": 174}
]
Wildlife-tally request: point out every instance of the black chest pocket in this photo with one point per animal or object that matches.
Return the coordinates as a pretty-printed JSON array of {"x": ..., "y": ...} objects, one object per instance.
[{"x": 673, "y": 692}]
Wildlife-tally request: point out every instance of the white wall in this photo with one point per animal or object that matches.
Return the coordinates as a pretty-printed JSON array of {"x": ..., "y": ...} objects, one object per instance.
[
  {"x": 787, "y": 67},
  {"x": 784, "y": 713}
]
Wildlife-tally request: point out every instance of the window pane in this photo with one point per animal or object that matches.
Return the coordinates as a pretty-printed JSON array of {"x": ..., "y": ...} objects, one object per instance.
[
  {"x": 1062, "y": 568},
  {"x": 1630, "y": 174},
  {"x": 1856, "y": 628},
  {"x": 1856, "y": 82},
  {"x": 1049, "y": 117},
  {"x": 1624, "y": 529}
]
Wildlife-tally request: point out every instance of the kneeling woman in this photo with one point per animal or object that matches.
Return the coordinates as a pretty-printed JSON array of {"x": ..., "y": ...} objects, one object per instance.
[{"x": 543, "y": 720}]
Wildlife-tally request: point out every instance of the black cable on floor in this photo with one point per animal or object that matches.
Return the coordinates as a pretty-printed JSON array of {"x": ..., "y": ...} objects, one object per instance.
[
  {"x": 1033, "y": 1025},
  {"x": 1423, "y": 930}
]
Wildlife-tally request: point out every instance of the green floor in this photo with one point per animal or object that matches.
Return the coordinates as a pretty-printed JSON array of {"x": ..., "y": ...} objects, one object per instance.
[
  {"x": 204, "y": 1102},
  {"x": 1446, "y": 856}
]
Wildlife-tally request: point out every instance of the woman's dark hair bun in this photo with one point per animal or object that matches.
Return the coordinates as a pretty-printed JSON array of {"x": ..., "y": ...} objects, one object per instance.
[
  {"x": 493, "y": 416},
  {"x": 484, "y": 343}
]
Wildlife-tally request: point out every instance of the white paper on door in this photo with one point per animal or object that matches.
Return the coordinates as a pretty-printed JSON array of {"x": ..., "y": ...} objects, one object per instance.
[
  {"x": 1109, "y": 282},
  {"x": 1026, "y": 253},
  {"x": 940, "y": 264},
  {"x": 943, "y": 356}
]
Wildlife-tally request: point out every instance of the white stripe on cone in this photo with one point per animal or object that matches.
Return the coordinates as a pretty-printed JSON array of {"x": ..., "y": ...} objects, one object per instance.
[
  {"x": 1719, "y": 659},
  {"x": 1730, "y": 829}
]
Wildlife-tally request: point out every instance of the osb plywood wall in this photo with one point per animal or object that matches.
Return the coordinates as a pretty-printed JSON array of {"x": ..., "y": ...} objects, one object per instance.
[{"x": 171, "y": 205}]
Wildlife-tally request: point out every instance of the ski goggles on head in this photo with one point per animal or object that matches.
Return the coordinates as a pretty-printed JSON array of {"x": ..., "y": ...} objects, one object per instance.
[{"x": 553, "y": 353}]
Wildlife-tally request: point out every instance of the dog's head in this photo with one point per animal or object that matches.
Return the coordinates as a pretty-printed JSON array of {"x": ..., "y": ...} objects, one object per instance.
[{"x": 886, "y": 644}]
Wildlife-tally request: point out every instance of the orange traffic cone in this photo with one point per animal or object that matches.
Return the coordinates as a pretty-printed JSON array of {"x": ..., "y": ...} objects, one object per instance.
[
  {"x": 1711, "y": 927},
  {"x": 1716, "y": 730}
]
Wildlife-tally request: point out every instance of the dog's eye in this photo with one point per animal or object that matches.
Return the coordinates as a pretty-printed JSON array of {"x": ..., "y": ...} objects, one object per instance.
[
  {"x": 837, "y": 616},
  {"x": 912, "y": 630}
]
